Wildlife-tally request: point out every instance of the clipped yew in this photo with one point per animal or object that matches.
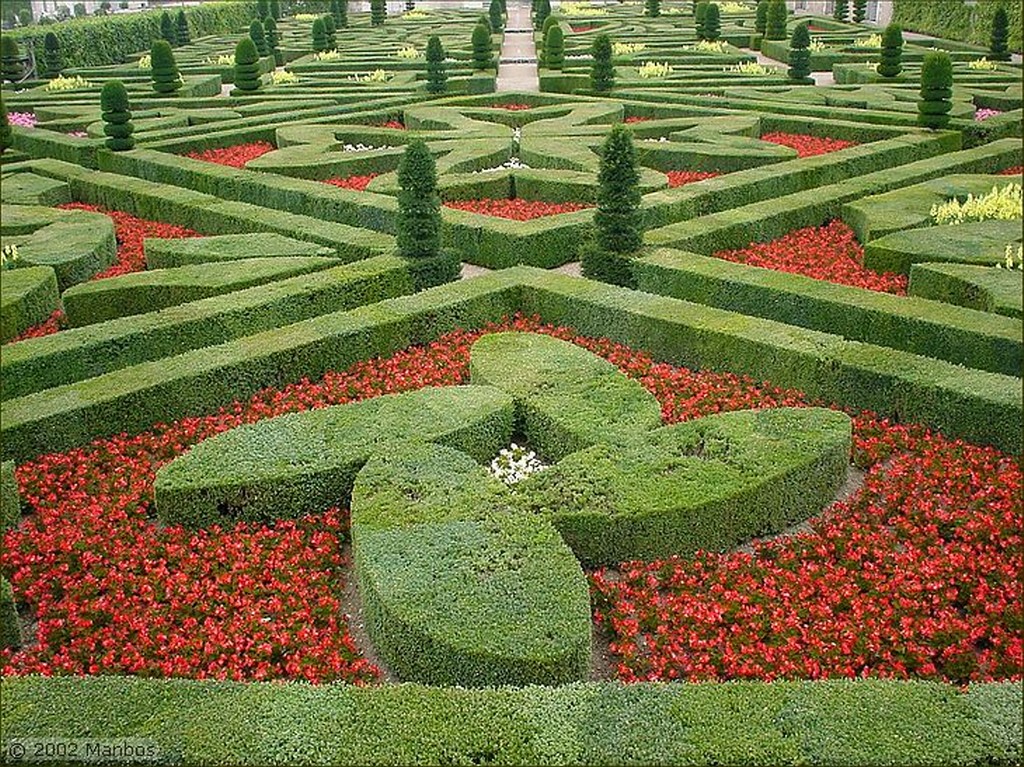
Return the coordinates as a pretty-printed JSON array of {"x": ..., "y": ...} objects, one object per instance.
[
  {"x": 247, "y": 66},
  {"x": 554, "y": 48},
  {"x": 275, "y": 9},
  {"x": 998, "y": 50},
  {"x": 892, "y": 52},
  {"x": 378, "y": 12},
  {"x": 653, "y": 8},
  {"x": 542, "y": 13},
  {"x": 117, "y": 116},
  {"x": 5, "y": 126},
  {"x": 800, "y": 55},
  {"x": 699, "y": 14},
  {"x": 166, "y": 78},
  {"x": 262, "y": 9},
  {"x": 840, "y": 10},
  {"x": 860, "y": 10},
  {"x": 936, "y": 91},
  {"x": 331, "y": 31},
  {"x": 775, "y": 25},
  {"x": 270, "y": 35},
  {"x": 761, "y": 17},
  {"x": 602, "y": 71},
  {"x": 342, "y": 19},
  {"x": 319, "y": 36},
  {"x": 712, "y": 22},
  {"x": 181, "y": 22},
  {"x": 11, "y": 66},
  {"x": 419, "y": 205},
  {"x": 618, "y": 219},
  {"x": 496, "y": 15},
  {"x": 483, "y": 55},
  {"x": 437, "y": 71},
  {"x": 168, "y": 30},
  {"x": 258, "y": 38},
  {"x": 52, "y": 55}
]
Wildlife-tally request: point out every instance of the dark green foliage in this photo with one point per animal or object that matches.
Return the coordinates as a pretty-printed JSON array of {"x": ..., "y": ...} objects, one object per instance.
[
  {"x": 860, "y": 10},
  {"x": 10, "y": 499},
  {"x": 331, "y": 31},
  {"x": 699, "y": 14},
  {"x": 262, "y": 9},
  {"x": 12, "y": 68},
  {"x": 484, "y": 21},
  {"x": 342, "y": 19},
  {"x": 80, "y": 10},
  {"x": 10, "y": 626},
  {"x": 936, "y": 91},
  {"x": 336, "y": 11},
  {"x": 892, "y": 51},
  {"x": 270, "y": 35},
  {"x": 117, "y": 116},
  {"x": 496, "y": 15},
  {"x": 840, "y": 10},
  {"x": 618, "y": 217},
  {"x": 247, "y": 66},
  {"x": 275, "y": 9},
  {"x": 761, "y": 17},
  {"x": 1000, "y": 34},
  {"x": 319, "y": 36},
  {"x": 975, "y": 287},
  {"x": 378, "y": 12},
  {"x": 554, "y": 48},
  {"x": 258, "y": 38},
  {"x": 52, "y": 55},
  {"x": 166, "y": 79},
  {"x": 168, "y": 30},
  {"x": 775, "y": 26},
  {"x": 437, "y": 71},
  {"x": 653, "y": 8},
  {"x": 602, "y": 71},
  {"x": 28, "y": 296},
  {"x": 184, "y": 36},
  {"x": 800, "y": 54},
  {"x": 542, "y": 13},
  {"x": 712, "y": 22},
  {"x": 410, "y": 5},
  {"x": 549, "y": 22},
  {"x": 5, "y": 126},
  {"x": 483, "y": 55},
  {"x": 419, "y": 205}
]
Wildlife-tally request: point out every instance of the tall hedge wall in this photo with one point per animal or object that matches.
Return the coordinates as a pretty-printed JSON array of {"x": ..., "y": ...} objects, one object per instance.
[{"x": 957, "y": 19}]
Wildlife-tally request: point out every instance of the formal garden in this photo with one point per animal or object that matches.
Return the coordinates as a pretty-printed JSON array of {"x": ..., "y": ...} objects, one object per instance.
[{"x": 362, "y": 404}]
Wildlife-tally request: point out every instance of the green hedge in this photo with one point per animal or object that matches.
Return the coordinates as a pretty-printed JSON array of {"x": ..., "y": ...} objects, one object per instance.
[
  {"x": 922, "y": 327},
  {"x": 976, "y": 287},
  {"x": 957, "y": 19},
  {"x": 30, "y": 189},
  {"x": 27, "y": 297},
  {"x": 193, "y": 251},
  {"x": 83, "y": 353},
  {"x": 150, "y": 291},
  {"x": 863, "y": 722},
  {"x": 10, "y": 626},
  {"x": 982, "y": 243},
  {"x": 10, "y": 500}
]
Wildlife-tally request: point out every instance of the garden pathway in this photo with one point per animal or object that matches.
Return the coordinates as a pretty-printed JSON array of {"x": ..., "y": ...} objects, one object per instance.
[{"x": 517, "y": 70}]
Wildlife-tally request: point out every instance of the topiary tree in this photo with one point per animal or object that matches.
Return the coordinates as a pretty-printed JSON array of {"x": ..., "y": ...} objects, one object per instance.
[
  {"x": 5, "y": 126},
  {"x": 419, "y": 205},
  {"x": 549, "y": 22},
  {"x": 181, "y": 22},
  {"x": 840, "y": 10},
  {"x": 256, "y": 33},
  {"x": 761, "y": 17},
  {"x": 117, "y": 116},
  {"x": 342, "y": 21},
  {"x": 712, "y": 23},
  {"x": 483, "y": 20},
  {"x": 860, "y": 10},
  {"x": 52, "y": 55},
  {"x": 602, "y": 71},
  {"x": 496, "y": 15},
  {"x": 437, "y": 72},
  {"x": 168, "y": 31},
  {"x": 11, "y": 66},
  {"x": 378, "y": 12},
  {"x": 331, "y": 31},
  {"x": 542, "y": 13},
  {"x": 270, "y": 35},
  {"x": 936, "y": 91},
  {"x": 554, "y": 48},
  {"x": 166, "y": 78},
  {"x": 998, "y": 50},
  {"x": 482, "y": 52},
  {"x": 618, "y": 219},
  {"x": 262, "y": 9},
  {"x": 275, "y": 10},
  {"x": 653, "y": 8},
  {"x": 319, "y": 36},
  {"x": 892, "y": 52},
  {"x": 699, "y": 15},
  {"x": 335, "y": 7},
  {"x": 410, "y": 5},
  {"x": 800, "y": 55},
  {"x": 775, "y": 26},
  {"x": 247, "y": 66}
]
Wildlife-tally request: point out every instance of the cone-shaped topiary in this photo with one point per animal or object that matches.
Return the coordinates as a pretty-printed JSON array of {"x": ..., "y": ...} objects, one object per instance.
[
  {"x": 860, "y": 10},
  {"x": 168, "y": 30},
  {"x": 618, "y": 219},
  {"x": 117, "y": 116},
  {"x": 496, "y": 15},
  {"x": 485, "y": 21},
  {"x": 11, "y": 66},
  {"x": 166, "y": 79},
  {"x": 653, "y": 8},
  {"x": 554, "y": 48},
  {"x": 712, "y": 22},
  {"x": 549, "y": 22},
  {"x": 342, "y": 20},
  {"x": 840, "y": 10},
  {"x": 262, "y": 9},
  {"x": 5, "y": 126},
  {"x": 892, "y": 51},
  {"x": 775, "y": 26},
  {"x": 437, "y": 72},
  {"x": 52, "y": 55},
  {"x": 270, "y": 35},
  {"x": 378, "y": 12},
  {"x": 800, "y": 55},
  {"x": 181, "y": 22},
  {"x": 543, "y": 11},
  {"x": 936, "y": 91},
  {"x": 332, "y": 32},
  {"x": 247, "y": 66},
  {"x": 602, "y": 71},
  {"x": 419, "y": 205},
  {"x": 998, "y": 50},
  {"x": 275, "y": 9},
  {"x": 319, "y": 36},
  {"x": 483, "y": 56},
  {"x": 336, "y": 11},
  {"x": 761, "y": 17},
  {"x": 699, "y": 14},
  {"x": 260, "y": 39}
]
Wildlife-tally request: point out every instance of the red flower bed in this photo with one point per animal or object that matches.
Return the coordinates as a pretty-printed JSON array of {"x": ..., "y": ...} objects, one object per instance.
[
  {"x": 234, "y": 156},
  {"x": 830, "y": 253},
  {"x": 636, "y": 119},
  {"x": 807, "y": 146},
  {"x": 517, "y": 209},
  {"x": 393, "y": 124},
  {"x": 47, "y": 327},
  {"x": 1014, "y": 171},
  {"x": 680, "y": 177},
  {"x": 358, "y": 183},
  {"x": 513, "y": 107}
]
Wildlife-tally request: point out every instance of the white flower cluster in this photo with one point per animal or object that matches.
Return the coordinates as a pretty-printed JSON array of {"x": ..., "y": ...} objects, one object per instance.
[
  {"x": 659, "y": 140},
  {"x": 512, "y": 163},
  {"x": 363, "y": 147},
  {"x": 1009, "y": 258},
  {"x": 514, "y": 464},
  {"x": 61, "y": 83},
  {"x": 998, "y": 205},
  {"x": 9, "y": 257},
  {"x": 283, "y": 78},
  {"x": 982, "y": 64},
  {"x": 517, "y": 134},
  {"x": 871, "y": 41},
  {"x": 816, "y": 44},
  {"x": 652, "y": 69}
]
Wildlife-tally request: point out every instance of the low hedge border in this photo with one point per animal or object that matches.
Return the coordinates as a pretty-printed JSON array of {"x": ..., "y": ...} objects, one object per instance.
[
  {"x": 982, "y": 243},
  {"x": 10, "y": 499},
  {"x": 869, "y": 722},
  {"x": 30, "y": 189},
  {"x": 975, "y": 287},
  {"x": 27, "y": 297},
  {"x": 174, "y": 252}
]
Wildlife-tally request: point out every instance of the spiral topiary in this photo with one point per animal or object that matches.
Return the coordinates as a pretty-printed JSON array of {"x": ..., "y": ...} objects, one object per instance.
[
  {"x": 378, "y": 12},
  {"x": 761, "y": 17},
  {"x": 117, "y": 116},
  {"x": 840, "y": 10},
  {"x": 168, "y": 31},
  {"x": 892, "y": 52},
  {"x": 542, "y": 13},
  {"x": 11, "y": 66},
  {"x": 653, "y": 8},
  {"x": 166, "y": 78},
  {"x": 270, "y": 35},
  {"x": 496, "y": 15},
  {"x": 712, "y": 23},
  {"x": 860, "y": 10},
  {"x": 319, "y": 36},
  {"x": 181, "y": 21},
  {"x": 936, "y": 91},
  {"x": 247, "y": 66}
]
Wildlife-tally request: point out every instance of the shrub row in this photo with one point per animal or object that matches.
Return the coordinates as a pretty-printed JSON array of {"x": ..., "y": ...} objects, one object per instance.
[
  {"x": 977, "y": 242},
  {"x": 866, "y": 722},
  {"x": 30, "y": 189},
  {"x": 27, "y": 297},
  {"x": 975, "y": 287},
  {"x": 10, "y": 500},
  {"x": 220, "y": 249}
]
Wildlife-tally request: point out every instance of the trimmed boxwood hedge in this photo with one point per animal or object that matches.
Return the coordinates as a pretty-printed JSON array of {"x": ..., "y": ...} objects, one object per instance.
[
  {"x": 190, "y": 251},
  {"x": 27, "y": 297},
  {"x": 30, "y": 189},
  {"x": 10, "y": 500},
  {"x": 976, "y": 242},
  {"x": 976, "y": 287}
]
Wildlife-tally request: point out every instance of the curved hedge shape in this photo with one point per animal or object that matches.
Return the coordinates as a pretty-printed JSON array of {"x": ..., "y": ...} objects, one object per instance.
[{"x": 27, "y": 297}]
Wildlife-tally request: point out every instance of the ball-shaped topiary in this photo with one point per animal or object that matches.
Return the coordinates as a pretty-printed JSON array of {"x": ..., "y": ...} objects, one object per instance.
[
  {"x": 181, "y": 23},
  {"x": 840, "y": 10},
  {"x": 483, "y": 55},
  {"x": 936, "y": 91},
  {"x": 618, "y": 219},
  {"x": 892, "y": 51},
  {"x": 653, "y": 8},
  {"x": 437, "y": 71},
  {"x": 319, "y": 36},
  {"x": 258, "y": 37},
  {"x": 247, "y": 66},
  {"x": 712, "y": 22},
  {"x": 496, "y": 15},
  {"x": 378, "y": 12},
  {"x": 419, "y": 205},
  {"x": 12, "y": 68},
  {"x": 270, "y": 35},
  {"x": 860, "y": 10},
  {"x": 775, "y": 25},
  {"x": 541, "y": 14},
  {"x": 602, "y": 71},
  {"x": 117, "y": 116},
  {"x": 168, "y": 30},
  {"x": 800, "y": 55},
  {"x": 554, "y": 48},
  {"x": 166, "y": 78},
  {"x": 52, "y": 55},
  {"x": 761, "y": 17},
  {"x": 5, "y": 126},
  {"x": 998, "y": 49}
]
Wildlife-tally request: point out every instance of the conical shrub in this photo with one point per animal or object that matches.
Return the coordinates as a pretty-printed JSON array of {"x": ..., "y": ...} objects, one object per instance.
[
  {"x": 998, "y": 47},
  {"x": 554, "y": 48},
  {"x": 761, "y": 17},
  {"x": 168, "y": 30},
  {"x": 541, "y": 14},
  {"x": 775, "y": 26},
  {"x": 860, "y": 10},
  {"x": 11, "y": 66},
  {"x": 653, "y": 8},
  {"x": 602, "y": 71},
  {"x": 270, "y": 35},
  {"x": 166, "y": 78},
  {"x": 699, "y": 14},
  {"x": 483, "y": 54},
  {"x": 342, "y": 19},
  {"x": 496, "y": 15},
  {"x": 712, "y": 23},
  {"x": 800, "y": 55},
  {"x": 319, "y": 36},
  {"x": 437, "y": 71},
  {"x": 258, "y": 38},
  {"x": 378, "y": 12},
  {"x": 52, "y": 55},
  {"x": 117, "y": 116},
  {"x": 247, "y": 66},
  {"x": 892, "y": 52},
  {"x": 618, "y": 219},
  {"x": 936, "y": 91},
  {"x": 181, "y": 22},
  {"x": 840, "y": 10},
  {"x": 275, "y": 9},
  {"x": 419, "y": 205}
]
